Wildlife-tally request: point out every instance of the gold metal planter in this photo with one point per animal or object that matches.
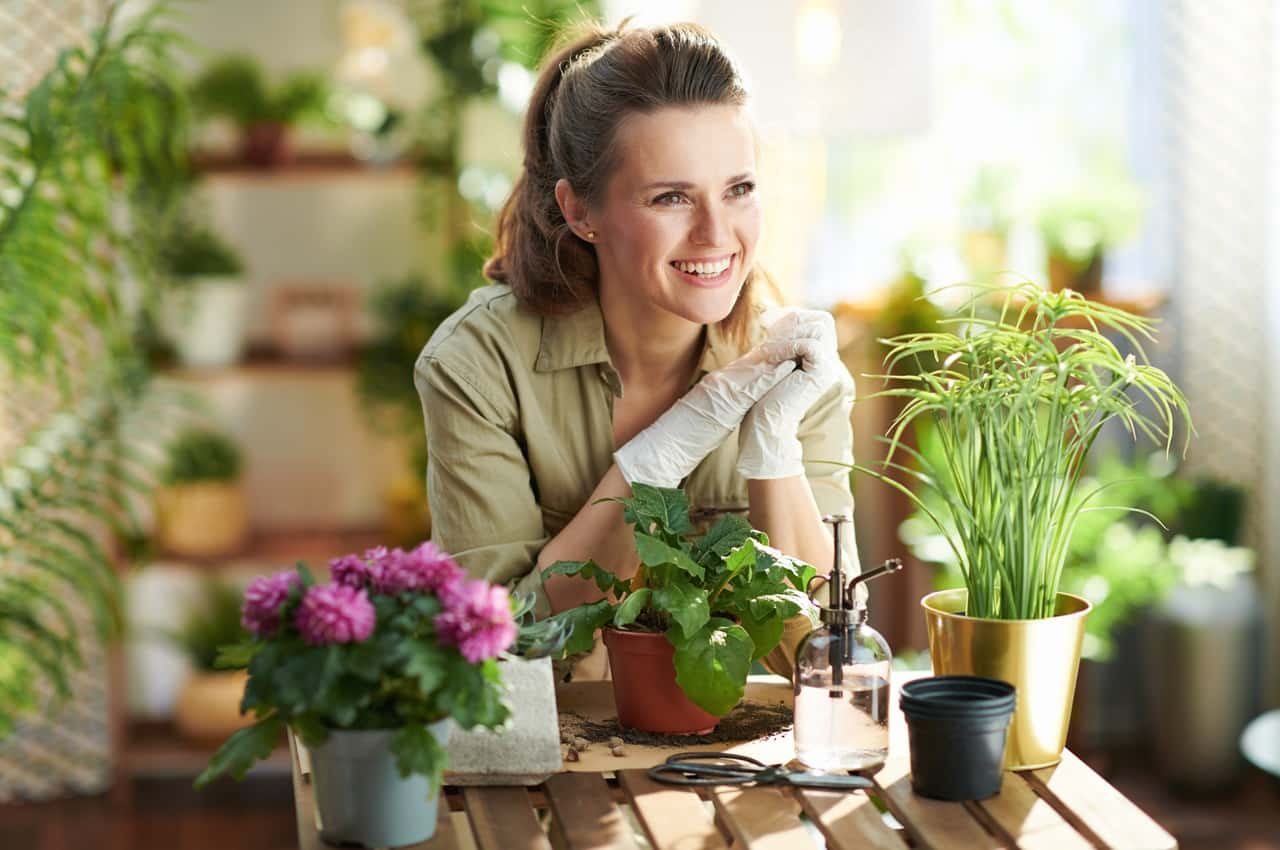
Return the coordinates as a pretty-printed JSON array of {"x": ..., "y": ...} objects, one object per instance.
[{"x": 1038, "y": 657}]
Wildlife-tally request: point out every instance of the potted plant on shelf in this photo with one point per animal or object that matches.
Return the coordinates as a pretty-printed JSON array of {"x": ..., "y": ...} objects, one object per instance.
[
  {"x": 683, "y": 632},
  {"x": 1079, "y": 225},
  {"x": 526, "y": 750},
  {"x": 234, "y": 88},
  {"x": 200, "y": 506},
  {"x": 1016, "y": 401},
  {"x": 370, "y": 672},
  {"x": 208, "y": 705},
  {"x": 204, "y": 308}
]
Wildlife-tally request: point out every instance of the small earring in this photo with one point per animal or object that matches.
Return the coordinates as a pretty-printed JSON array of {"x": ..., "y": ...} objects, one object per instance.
[{"x": 591, "y": 234}]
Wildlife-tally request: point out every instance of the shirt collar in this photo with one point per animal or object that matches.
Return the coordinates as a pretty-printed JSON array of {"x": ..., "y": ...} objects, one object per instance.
[{"x": 577, "y": 339}]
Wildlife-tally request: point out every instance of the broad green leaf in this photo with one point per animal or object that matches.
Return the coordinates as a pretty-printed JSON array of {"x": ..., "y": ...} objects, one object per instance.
[
  {"x": 418, "y": 751},
  {"x": 237, "y": 656},
  {"x": 242, "y": 749},
  {"x": 765, "y": 633},
  {"x": 425, "y": 662},
  {"x": 729, "y": 532},
  {"x": 657, "y": 510},
  {"x": 655, "y": 553},
  {"x": 586, "y": 620},
  {"x": 631, "y": 607},
  {"x": 686, "y": 605},
  {"x": 712, "y": 665}
]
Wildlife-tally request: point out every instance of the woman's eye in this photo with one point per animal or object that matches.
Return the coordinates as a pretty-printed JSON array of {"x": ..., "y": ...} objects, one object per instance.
[
  {"x": 741, "y": 190},
  {"x": 669, "y": 199}
]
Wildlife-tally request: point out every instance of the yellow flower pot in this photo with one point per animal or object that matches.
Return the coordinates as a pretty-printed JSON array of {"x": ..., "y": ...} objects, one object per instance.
[
  {"x": 1038, "y": 657},
  {"x": 206, "y": 519},
  {"x": 208, "y": 706}
]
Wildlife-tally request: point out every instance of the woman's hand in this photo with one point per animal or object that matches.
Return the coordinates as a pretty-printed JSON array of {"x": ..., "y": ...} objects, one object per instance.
[
  {"x": 669, "y": 449},
  {"x": 768, "y": 443}
]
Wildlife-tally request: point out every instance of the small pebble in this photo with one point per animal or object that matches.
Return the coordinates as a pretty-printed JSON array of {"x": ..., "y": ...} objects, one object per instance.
[
  {"x": 571, "y": 755},
  {"x": 619, "y": 751},
  {"x": 615, "y": 741},
  {"x": 566, "y": 738},
  {"x": 581, "y": 743}
]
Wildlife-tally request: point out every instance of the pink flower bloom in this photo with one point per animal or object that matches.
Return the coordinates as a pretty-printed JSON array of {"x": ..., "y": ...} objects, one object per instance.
[
  {"x": 349, "y": 570},
  {"x": 335, "y": 613},
  {"x": 426, "y": 568},
  {"x": 477, "y": 620},
  {"x": 260, "y": 613}
]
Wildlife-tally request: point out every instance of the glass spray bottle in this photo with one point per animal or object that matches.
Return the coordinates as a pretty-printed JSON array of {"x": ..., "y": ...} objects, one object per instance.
[{"x": 842, "y": 678}]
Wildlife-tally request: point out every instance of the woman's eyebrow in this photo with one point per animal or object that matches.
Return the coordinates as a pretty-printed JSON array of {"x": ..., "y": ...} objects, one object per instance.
[{"x": 684, "y": 184}]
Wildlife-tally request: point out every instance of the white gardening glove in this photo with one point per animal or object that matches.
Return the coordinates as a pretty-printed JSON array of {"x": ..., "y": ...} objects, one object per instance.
[
  {"x": 768, "y": 444},
  {"x": 669, "y": 449}
]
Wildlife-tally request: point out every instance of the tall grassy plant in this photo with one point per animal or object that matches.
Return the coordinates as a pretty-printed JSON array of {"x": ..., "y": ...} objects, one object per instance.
[
  {"x": 1023, "y": 383},
  {"x": 103, "y": 127}
]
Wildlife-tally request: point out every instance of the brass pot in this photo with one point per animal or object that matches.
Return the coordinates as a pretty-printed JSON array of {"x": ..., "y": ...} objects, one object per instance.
[
  {"x": 1038, "y": 657},
  {"x": 202, "y": 519},
  {"x": 208, "y": 707}
]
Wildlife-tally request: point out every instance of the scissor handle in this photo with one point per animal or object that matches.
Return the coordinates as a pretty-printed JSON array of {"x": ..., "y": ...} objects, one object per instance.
[
  {"x": 706, "y": 755},
  {"x": 707, "y": 768}
]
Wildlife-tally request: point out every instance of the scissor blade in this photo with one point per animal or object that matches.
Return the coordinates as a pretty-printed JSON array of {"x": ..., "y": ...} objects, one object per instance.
[{"x": 826, "y": 780}]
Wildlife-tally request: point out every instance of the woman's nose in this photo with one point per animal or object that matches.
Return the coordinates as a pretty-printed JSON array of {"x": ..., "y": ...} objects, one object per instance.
[{"x": 711, "y": 226}]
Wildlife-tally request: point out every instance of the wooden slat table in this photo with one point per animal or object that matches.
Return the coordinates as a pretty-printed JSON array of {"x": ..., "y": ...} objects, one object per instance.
[{"x": 608, "y": 803}]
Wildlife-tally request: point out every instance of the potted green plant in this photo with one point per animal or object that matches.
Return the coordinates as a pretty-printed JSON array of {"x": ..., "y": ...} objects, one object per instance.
[
  {"x": 208, "y": 704},
  {"x": 204, "y": 309},
  {"x": 200, "y": 505},
  {"x": 370, "y": 672},
  {"x": 1016, "y": 399},
  {"x": 1079, "y": 225},
  {"x": 683, "y": 632},
  {"x": 525, "y": 750},
  {"x": 234, "y": 87}
]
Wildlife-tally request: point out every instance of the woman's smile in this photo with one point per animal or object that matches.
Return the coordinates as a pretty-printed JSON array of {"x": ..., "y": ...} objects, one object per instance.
[{"x": 709, "y": 273}]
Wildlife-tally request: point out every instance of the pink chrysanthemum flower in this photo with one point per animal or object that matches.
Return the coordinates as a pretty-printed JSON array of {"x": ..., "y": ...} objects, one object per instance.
[
  {"x": 349, "y": 570},
  {"x": 477, "y": 620},
  {"x": 263, "y": 598},
  {"x": 426, "y": 568},
  {"x": 335, "y": 613}
]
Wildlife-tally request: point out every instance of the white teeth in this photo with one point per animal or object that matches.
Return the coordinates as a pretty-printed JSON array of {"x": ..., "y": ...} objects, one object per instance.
[{"x": 705, "y": 269}]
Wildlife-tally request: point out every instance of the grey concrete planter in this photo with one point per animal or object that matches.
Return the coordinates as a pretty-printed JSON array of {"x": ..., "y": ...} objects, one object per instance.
[{"x": 527, "y": 751}]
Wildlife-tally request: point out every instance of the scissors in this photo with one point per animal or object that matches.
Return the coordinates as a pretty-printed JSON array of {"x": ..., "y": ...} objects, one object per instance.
[{"x": 702, "y": 768}]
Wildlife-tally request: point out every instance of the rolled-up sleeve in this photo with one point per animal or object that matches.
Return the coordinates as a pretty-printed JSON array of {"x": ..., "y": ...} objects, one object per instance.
[{"x": 483, "y": 508}]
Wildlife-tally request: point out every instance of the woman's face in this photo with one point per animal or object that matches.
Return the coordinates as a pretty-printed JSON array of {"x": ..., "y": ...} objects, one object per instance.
[{"x": 678, "y": 225}]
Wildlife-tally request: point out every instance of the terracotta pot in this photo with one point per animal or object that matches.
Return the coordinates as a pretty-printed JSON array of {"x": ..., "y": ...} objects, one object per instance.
[
  {"x": 208, "y": 707},
  {"x": 1085, "y": 279},
  {"x": 266, "y": 145},
  {"x": 206, "y": 519},
  {"x": 645, "y": 689}
]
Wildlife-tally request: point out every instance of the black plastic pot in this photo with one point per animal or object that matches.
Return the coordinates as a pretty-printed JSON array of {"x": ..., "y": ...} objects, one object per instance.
[{"x": 957, "y": 727}]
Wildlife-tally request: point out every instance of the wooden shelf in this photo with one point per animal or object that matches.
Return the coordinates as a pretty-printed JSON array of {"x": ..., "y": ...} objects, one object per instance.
[
  {"x": 304, "y": 165},
  {"x": 157, "y": 749},
  {"x": 263, "y": 362},
  {"x": 287, "y": 547}
]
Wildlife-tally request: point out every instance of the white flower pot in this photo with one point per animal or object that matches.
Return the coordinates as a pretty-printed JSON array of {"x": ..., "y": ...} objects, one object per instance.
[
  {"x": 527, "y": 750},
  {"x": 204, "y": 319}
]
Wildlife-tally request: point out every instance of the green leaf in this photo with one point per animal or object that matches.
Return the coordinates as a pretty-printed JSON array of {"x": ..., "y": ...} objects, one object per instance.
[
  {"x": 426, "y": 663},
  {"x": 631, "y": 607},
  {"x": 237, "y": 656},
  {"x": 589, "y": 570},
  {"x": 712, "y": 665},
  {"x": 585, "y": 621},
  {"x": 765, "y": 633},
  {"x": 242, "y": 749},
  {"x": 661, "y": 510},
  {"x": 655, "y": 553},
  {"x": 417, "y": 751},
  {"x": 729, "y": 532},
  {"x": 686, "y": 604}
]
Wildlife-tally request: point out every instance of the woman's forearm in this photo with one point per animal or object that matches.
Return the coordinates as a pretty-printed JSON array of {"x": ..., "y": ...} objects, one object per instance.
[
  {"x": 784, "y": 509},
  {"x": 597, "y": 532}
]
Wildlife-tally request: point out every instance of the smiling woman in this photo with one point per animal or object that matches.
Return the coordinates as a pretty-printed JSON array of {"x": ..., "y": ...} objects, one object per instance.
[{"x": 625, "y": 340}]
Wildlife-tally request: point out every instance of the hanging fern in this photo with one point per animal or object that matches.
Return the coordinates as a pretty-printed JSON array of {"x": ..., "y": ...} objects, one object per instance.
[{"x": 89, "y": 154}]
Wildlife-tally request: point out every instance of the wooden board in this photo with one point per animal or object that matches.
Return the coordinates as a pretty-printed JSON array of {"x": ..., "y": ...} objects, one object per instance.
[
  {"x": 1096, "y": 808},
  {"x": 849, "y": 820},
  {"x": 502, "y": 818},
  {"x": 584, "y": 816},
  {"x": 673, "y": 818},
  {"x": 594, "y": 701},
  {"x": 760, "y": 818},
  {"x": 1033, "y": 822}
]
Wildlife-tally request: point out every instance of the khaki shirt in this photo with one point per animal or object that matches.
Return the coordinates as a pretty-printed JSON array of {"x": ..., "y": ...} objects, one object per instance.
[{"x": 519, "y": 419}]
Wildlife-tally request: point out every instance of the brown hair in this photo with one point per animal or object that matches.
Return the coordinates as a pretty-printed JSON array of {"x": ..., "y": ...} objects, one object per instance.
[{"x": 582, "y": 94}]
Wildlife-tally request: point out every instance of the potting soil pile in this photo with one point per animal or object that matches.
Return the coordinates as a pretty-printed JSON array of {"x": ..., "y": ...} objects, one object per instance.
[{"x": 748, "y": 722}]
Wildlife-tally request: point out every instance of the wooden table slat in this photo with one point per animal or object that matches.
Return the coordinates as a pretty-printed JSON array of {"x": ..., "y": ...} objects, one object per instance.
[
  {"x": 760, "y": 818},
  {"x": 502, "y": 818},
  {"x": 1035, "y": 824},
  {"x": 1100, "y": 811},
  {"x": 673, "y": 818},
  {"x": 849, "y": 820},
  {"x": 584, "y": 815}
]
